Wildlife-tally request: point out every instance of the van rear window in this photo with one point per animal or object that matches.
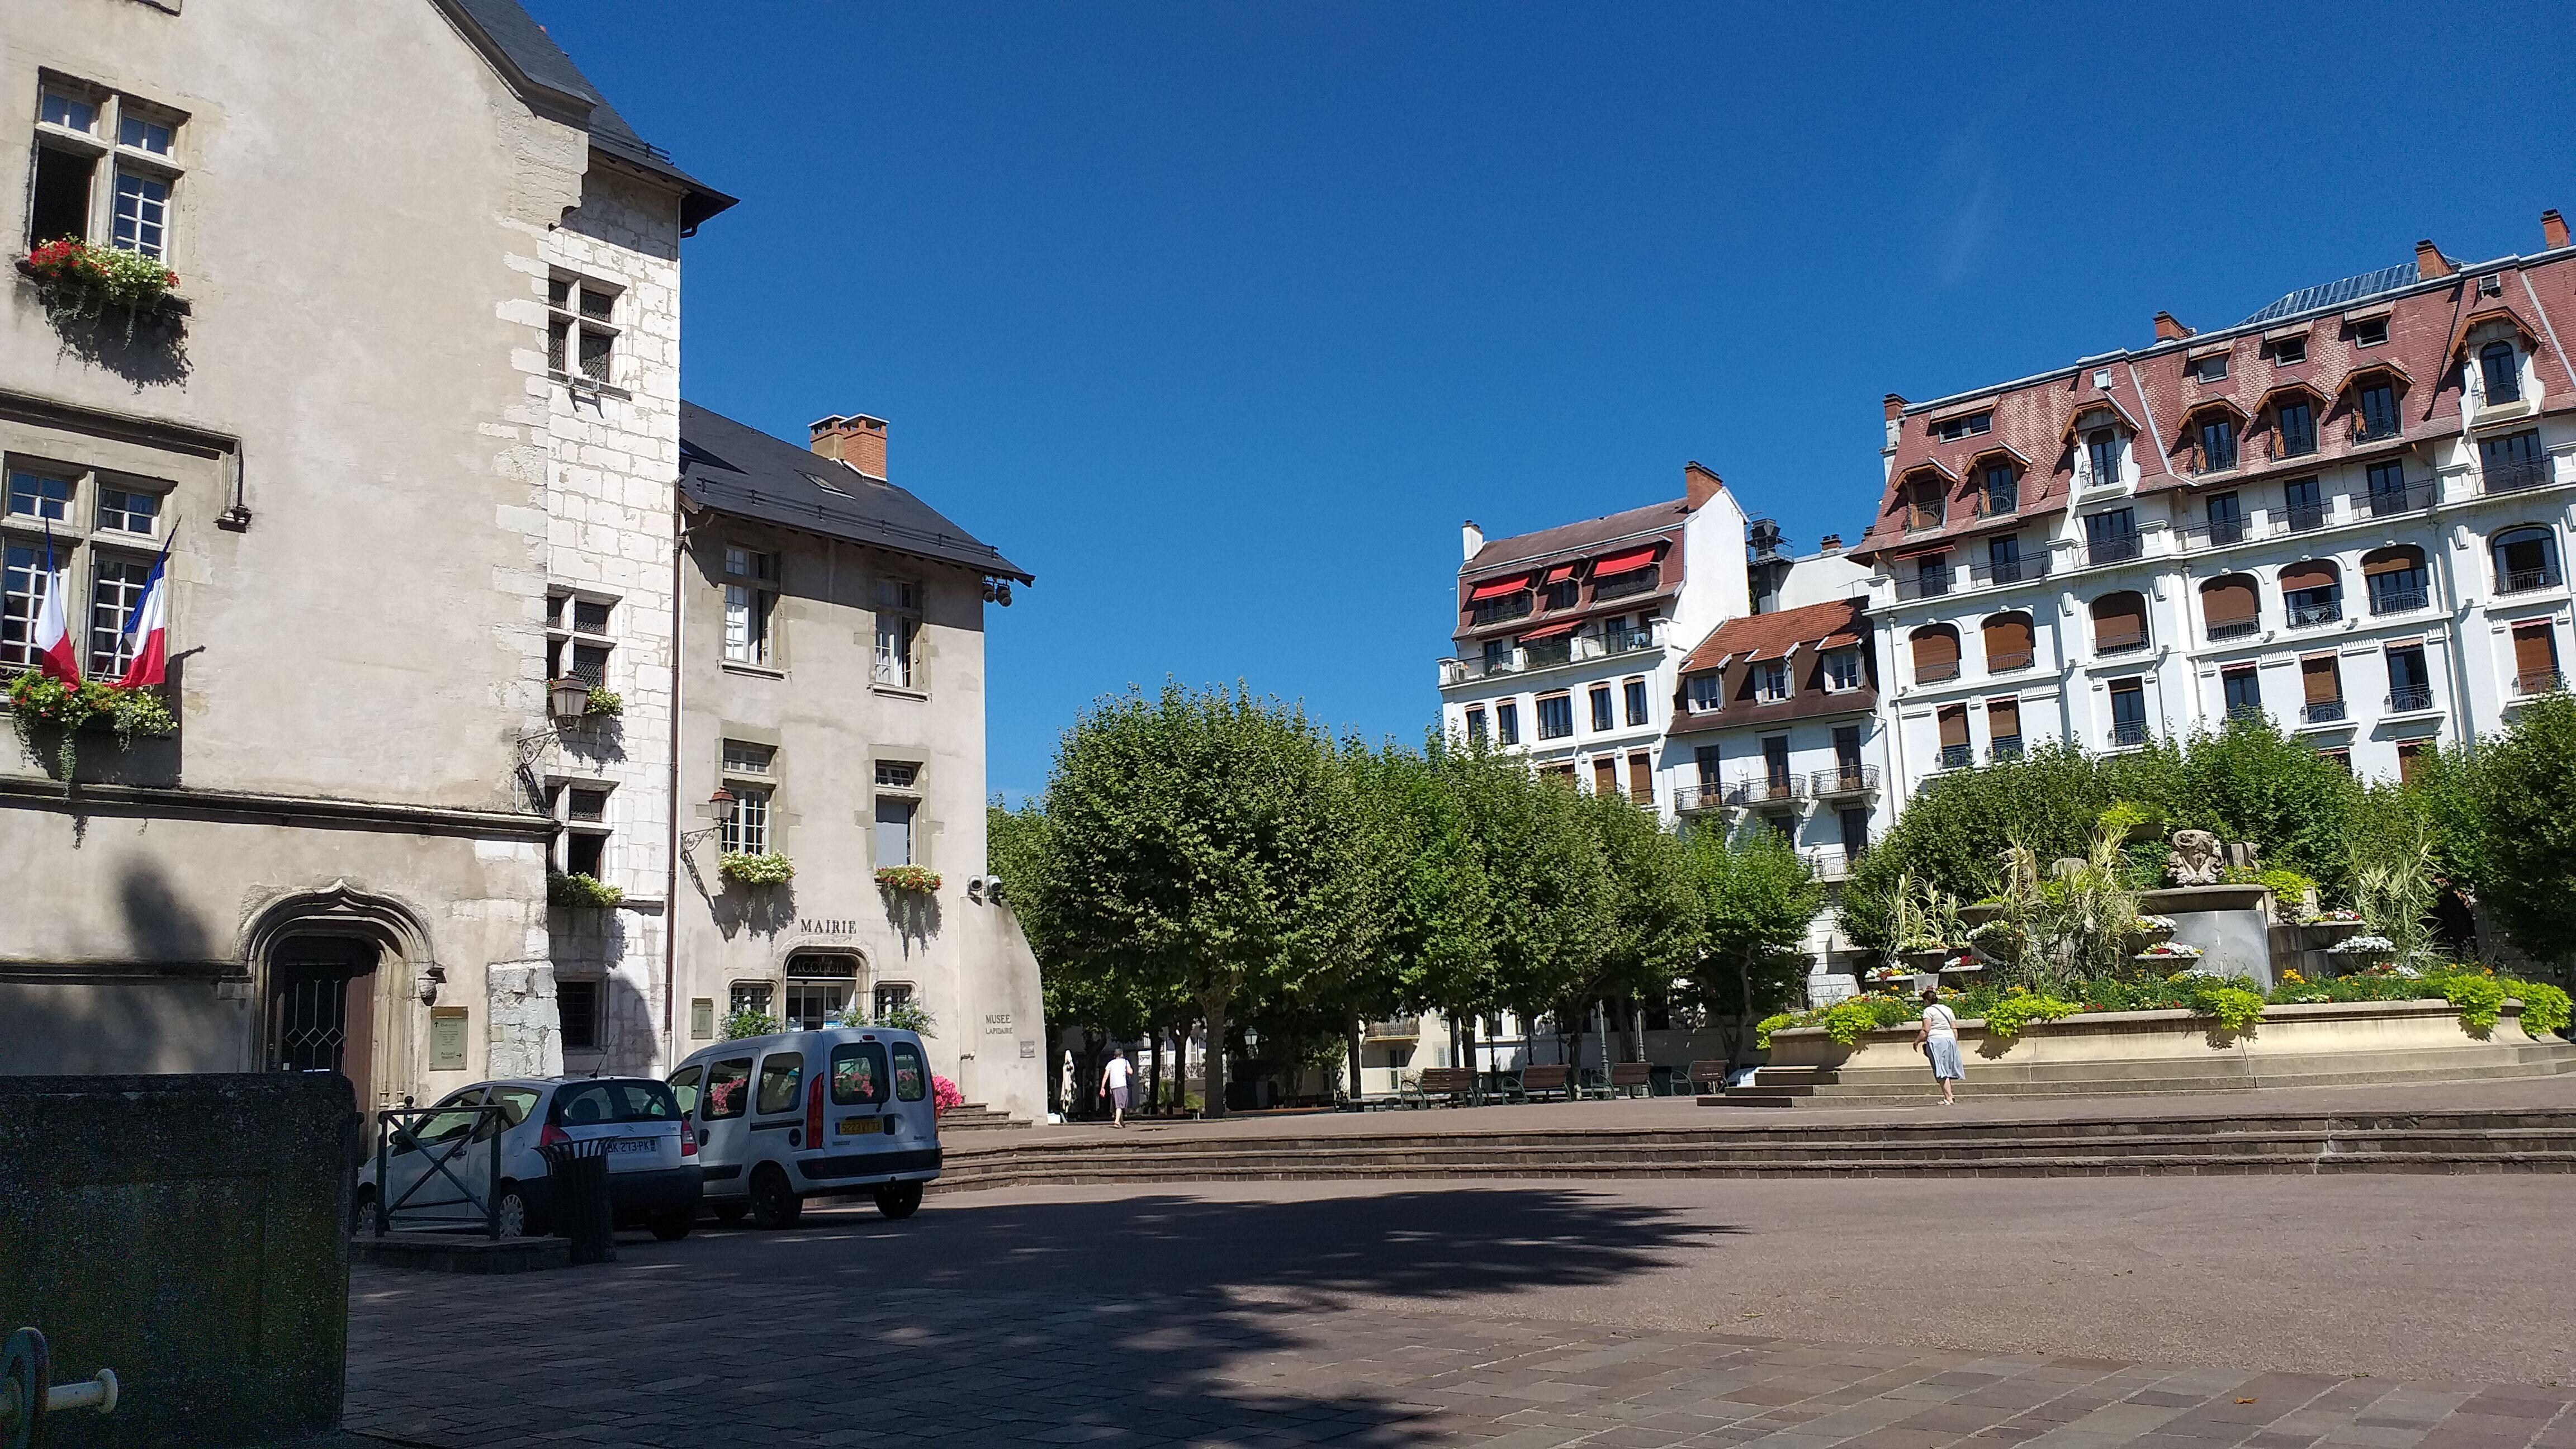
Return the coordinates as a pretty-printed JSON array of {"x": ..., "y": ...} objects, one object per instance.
[
  {"x": 911, "y": 1078},
  {"x": 780, "y": 1075},
  {"x": 858, "y": 1074},
  {"x": 585, "y": 1104},
  {"x": 727, "y": 1088}
]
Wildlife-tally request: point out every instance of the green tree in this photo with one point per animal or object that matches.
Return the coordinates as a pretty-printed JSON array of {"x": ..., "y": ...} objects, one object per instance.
[
  {"x": 2526, "y": 795},
  {"x": 1756, "y": 900},
  {"x": 1206, "y": 842},
  {"x": 1651, "y": 929},
  {"x": 1428, "y": 891}
]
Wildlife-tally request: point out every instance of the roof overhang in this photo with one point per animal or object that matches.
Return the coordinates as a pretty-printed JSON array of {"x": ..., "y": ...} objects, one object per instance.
[{"x": 2484, "y": 316}]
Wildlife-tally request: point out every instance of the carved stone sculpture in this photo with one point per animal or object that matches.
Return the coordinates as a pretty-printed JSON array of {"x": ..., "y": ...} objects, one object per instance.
[
  {"x": 2244, "y": 855},
  {"x": 2017, "y": 869},
  {"x": 2195, "y": 859}
]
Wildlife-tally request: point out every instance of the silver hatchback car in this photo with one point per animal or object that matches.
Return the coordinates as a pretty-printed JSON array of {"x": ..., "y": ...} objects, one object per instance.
[{"x": 653, "y": 1178}]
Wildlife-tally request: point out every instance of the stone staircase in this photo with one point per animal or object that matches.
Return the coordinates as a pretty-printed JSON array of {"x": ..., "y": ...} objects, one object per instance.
[
  {"x": 975, "y": 1117},
  {"x": 2457, "y": 1141}
]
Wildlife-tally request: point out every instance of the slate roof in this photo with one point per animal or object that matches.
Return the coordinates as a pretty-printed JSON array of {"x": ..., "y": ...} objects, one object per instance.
[
  {"x": 1568, "y": 538},
  {"x": 524, "y": 45},
  {"x": 1768, "y": 636},
  {"x": 737, "y": 469}
]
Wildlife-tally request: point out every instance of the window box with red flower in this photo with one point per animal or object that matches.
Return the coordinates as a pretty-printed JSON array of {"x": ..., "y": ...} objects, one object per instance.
[
  {"x": 40, "y": 702},
  {"x": 79, "y": 283}
]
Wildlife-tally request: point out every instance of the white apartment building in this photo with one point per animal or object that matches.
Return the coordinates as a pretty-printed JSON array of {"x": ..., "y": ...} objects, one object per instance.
[{"x": 2348, "y": 512}]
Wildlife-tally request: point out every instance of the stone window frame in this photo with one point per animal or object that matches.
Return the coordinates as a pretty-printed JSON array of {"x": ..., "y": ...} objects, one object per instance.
[
  {"x": 914, "y": 789},
  {"x": 560, "y": 791},
  {"x": 598, "y": 1015},
  {"x": 896, "y": 602},
  {"x": 760, "y": 649},
  {"x": 110, "y": 157},
  {"x": 755, "y": 817},
  {"x": 84, "y": 553},
  {"x": 567, "y": 638},
  {"x": 572, "y": 326}
]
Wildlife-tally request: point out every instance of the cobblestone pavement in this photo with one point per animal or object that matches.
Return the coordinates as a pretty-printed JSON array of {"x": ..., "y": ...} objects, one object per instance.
[{"x": 1381, "y": 1316}]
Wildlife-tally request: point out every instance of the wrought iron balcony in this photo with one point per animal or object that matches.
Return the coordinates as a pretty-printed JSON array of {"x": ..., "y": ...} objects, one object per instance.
[
  {"x": 2128, "y": 733},
  {"x": 2233, "y": 628},
  {"x": 2523, "y": 581},
  {"x": 1830, "y": 862},
  {"x": 2224, "y": 531},
  {"x": 1547, "y": 652},
  {"x": 2010, "y": 571},
  {"x": 1957, "y": 757},
  {"x": 1848, "y": 780},
  {"x": 2324, "y": 711},
  {"x": 2397, "y": 600},
  {"x": 1704, "y": 798},
  {"x": 1924, "y": 584},
  {"x": 2304, "y": 517},
  {"x": 2375, "y": 430},
  {"x": 2409, "y": 698},
  {"x": 2119, "y": 643},
  {"x": 2308, "y": 616},
  {"x": 2539, "y": 681},
  {"x": 2004, "y": 747},
  {"x": 1626, "y": 641},
  {"x": 2390, "y": 502},
  {"x": 2280, "y": 447},
  {"x": 1936, "y": 673},
  {"x": 1923, "y": 520},
  {"x": 2008, "y": 663},
  {"x": 2206, "y": 461},
  {"x": 1620, "y": 586},
  {"x": 2114, "y": 548},
  {"x": 1788, "y": 789},
  {"x": 2514, "y": 476},
  {"x": 1402, "y": 1028},
  {"x": 1495, "y": 611}
]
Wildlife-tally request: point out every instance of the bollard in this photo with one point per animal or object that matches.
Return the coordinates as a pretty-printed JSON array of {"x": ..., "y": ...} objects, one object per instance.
[
  {"x": 577, "y": 1180},
  {"x": 28, "y": 1393}
]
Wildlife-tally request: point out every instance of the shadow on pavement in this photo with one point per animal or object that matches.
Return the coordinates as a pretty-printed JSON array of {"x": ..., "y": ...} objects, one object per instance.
[{"x": 1147, "y": 1320}]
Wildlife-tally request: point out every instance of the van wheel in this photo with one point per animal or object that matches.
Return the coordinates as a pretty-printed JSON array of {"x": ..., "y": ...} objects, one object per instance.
[
  {"x": 899, "y": 1200},
  {"x": 671, "y": 1227},
  {"x": 730, "y": 1213},
  {"x": 774, "y": 1203}
]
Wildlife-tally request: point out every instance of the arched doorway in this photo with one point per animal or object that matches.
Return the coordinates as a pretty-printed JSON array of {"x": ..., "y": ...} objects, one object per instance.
[
  {"x": 321, "y": 1014},
  {"x": 342, "y": 978}
]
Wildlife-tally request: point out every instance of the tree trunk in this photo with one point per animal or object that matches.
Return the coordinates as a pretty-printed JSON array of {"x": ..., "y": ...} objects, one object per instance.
[
  {"x": 1153, "y": 1067},
  {"x": 1212, "y": 1007},
  {"x": 1180, "y": 1065},
  {"x": 1359, "y": 1083},
  {"x": 1465, "y": 1024}
]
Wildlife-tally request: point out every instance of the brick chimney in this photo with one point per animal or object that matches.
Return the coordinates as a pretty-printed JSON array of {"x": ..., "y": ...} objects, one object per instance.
[
  {"x": 1700, "y": 483},
  {"x": 1895, "y": 407},
  {"x": 858, "y": 441},
  {"x": 1831, "y": 544},
  {"x": 1471, "y": 538},
  {"x": 2429, "y": 261},
  {"x": 2553, "y": 229},
  {"x": 2169, "y": 330}
]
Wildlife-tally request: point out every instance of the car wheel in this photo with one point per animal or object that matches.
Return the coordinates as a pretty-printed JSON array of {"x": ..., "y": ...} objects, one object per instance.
[
  {"x": 362, "y": 1209},
  {"x": 671, "y": 1227},
  {"x": 898, "y": 1200},
  {"x": 518, "y": 1218},
  {"x": 774, "y": 1203},
  {"x": 730, "y": 1213}
]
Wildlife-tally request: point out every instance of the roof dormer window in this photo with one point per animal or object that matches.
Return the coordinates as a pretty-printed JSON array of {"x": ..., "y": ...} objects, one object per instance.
[
  {"x": 2212, "y": 368},
  {"x": 1970, "y": 425},
  {"x": 2370, "y": 333},
  {"x": 2501, "y": 370}
]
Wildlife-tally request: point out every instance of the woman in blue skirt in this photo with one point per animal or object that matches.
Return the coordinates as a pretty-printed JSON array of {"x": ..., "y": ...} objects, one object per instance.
[{"x": 1937, "y": 1035}]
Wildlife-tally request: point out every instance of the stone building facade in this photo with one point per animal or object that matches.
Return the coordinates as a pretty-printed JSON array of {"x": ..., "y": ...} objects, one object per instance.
[{"x": 373, "y": 476}]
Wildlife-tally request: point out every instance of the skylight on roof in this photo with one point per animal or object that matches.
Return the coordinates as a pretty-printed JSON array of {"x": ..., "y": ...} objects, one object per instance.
[
  {"x": 2338, "y": 293},
  {"x": 819, "y": 481}
]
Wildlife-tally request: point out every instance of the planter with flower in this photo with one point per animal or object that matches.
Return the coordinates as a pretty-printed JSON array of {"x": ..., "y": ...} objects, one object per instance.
[
  {"x": 79, "y": 282},
  {"x": 747, "y": 869},
  {"x": 909, "y": 879},
  {"x": 2169, "y": 953},
  {"x": 603, "y": 702},
  {"x": 2153, "y": 928},
  {"x": 2365, "y": 951},
  {"x": 40, "y": 702},
  {"x": 944, "y": 1095},
  {"x": 581, "y": 891}
]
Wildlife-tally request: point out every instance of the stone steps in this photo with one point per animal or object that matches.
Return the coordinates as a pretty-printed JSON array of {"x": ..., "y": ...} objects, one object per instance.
[
  {"x": 2522, "y": 1140},
  {"x": 975, "y": 1117},
  {"x": 1827, "y": 1086}
]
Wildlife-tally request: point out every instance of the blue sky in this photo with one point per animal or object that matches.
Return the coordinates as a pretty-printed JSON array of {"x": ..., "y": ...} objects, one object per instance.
[{"x": 1220, "y": 317}]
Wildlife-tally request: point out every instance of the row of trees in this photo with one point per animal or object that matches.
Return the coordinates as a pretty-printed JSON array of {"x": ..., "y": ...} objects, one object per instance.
[
  {"x": 1215, "y": 859},
  {"x": 2491, "y": 823}
]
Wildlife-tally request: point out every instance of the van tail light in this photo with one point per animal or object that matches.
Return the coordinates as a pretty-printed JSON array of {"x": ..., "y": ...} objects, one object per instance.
[
  {"x": 552, "y": 1135},
  {"x": 688, "y": 1140},
  {"x": 814, "y": 1112}
]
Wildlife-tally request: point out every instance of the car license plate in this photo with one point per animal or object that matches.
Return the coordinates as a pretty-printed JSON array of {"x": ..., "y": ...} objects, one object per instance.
[{"x": 630, "y": 1144}]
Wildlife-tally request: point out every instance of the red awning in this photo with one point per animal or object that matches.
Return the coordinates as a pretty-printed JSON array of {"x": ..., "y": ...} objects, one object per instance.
[
  {"x": 1499, "y": 587},
  {"x": 1552, "y": 631},
  {"x": 1633, "y": 559},
  {"x": 1559, "y": 574}
]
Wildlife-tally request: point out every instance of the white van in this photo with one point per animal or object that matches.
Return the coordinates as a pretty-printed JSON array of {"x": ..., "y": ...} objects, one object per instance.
[{"x": 800, "y": 1114}]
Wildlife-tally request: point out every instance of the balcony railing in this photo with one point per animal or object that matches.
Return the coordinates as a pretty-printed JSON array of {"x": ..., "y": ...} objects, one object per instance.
[
  {"x": 1620, "y": 586},
  {"x": 1957, "y": 757},
  {"x": 1924, "y": 520},
  {"x": 2280, "y": 446},
  {"x": 2305, "y": 517},
  {"x": 1548, "y": 652},
  {"x": 2397, "y": 600},
  {"x": 2224, "y": 531},
  {"x": 1403, "y": 1028},
  {"x": 2004, "y": 747},
  {"x": 1848, "y": 780},
  {"x": 2408, "y": 698},
  {"x": 2119, "y": 643},
  {"x": 2114, "y": 548},
  {"x": 2091, "y": 477},
  {"x": 1767, "y": 791},
  {"x": 1704, "y": 798},
  {"x": 2010, "y": 571},
  {"x": 2539, "y": 681},
  {"x": 2308, "y": 616},
  {"x": 1924, "y": 584},
  {"x": 2128, "y": 733},
  {"x": 1830, "y": 862},
  {"x": 2205, "y": 461},
  {"x": 2007, "y": 663},
  {"x": 2233, "y": 628},
  {"x": 1626, "y": 641},
  {"x": 1936, "y": 673},
  {"x": 2513, "y": 476},
  {"x": 2324, "y": 711},
  {"x": 2390, "y": 502},
  {"x": 2375, "y": 430},
  {"x": 2523, "y": 581},
  {"x": 1494, "y": 611}
]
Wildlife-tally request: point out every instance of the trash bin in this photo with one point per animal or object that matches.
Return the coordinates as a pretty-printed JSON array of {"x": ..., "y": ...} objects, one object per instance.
[{"x": 577, "y": 1181}]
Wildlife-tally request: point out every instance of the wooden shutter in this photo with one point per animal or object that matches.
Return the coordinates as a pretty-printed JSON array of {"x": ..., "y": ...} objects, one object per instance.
[
  {"x": 1935, "y": 649},
  {"x": 2535, "y": 650},
  {"x": 2003, "y": 718},
  {"x": 1605, "y": 776},
  {"x": 1641, "y": 777},
  {"x": 2391, "y": 561},
  {"x": 2119, "y": 619},
  {"x": 2008, "y": 641},
  {"x": 1954, "y": 725},
  {"x": 2314, "y": 575},
  {"x": 2321, "y": 679},
  {"x": 2230, "y": 601}
]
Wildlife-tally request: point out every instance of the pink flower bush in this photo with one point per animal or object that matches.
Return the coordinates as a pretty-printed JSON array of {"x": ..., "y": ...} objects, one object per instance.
[{"x": 944, "y": 1093}]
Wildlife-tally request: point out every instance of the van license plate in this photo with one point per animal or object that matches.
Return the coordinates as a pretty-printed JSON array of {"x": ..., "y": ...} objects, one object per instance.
[{"x": 854, "y": 1126}]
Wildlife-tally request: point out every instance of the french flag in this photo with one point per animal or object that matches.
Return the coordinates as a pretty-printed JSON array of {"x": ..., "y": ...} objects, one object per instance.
[
  {"x": 145, "y": 633},
  {"x": 53, "y": 642}
]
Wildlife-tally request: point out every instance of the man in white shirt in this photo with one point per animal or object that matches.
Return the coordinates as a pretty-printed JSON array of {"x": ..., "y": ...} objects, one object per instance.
[{"x": 1113, "y": 1085}]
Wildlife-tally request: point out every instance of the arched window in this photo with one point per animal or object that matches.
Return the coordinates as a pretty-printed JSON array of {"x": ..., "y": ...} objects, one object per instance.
[
  {"x": 2230, "y": 607},
  {"x": 1925, "y": 498},
  {"x": 2395, "y": 577},
  {"x": 2009, "y": 643},
  {"x": 2312, "y": 593},
  {"x": 1936, "y": 653},
  {"x": 2120, "y": 622},
  {"x": 2525, "y": 559},
  {"x": 2503, "y": 372},
  {"x": 1998, "y": 489},
  {"x": 2101, "y": 458}
]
